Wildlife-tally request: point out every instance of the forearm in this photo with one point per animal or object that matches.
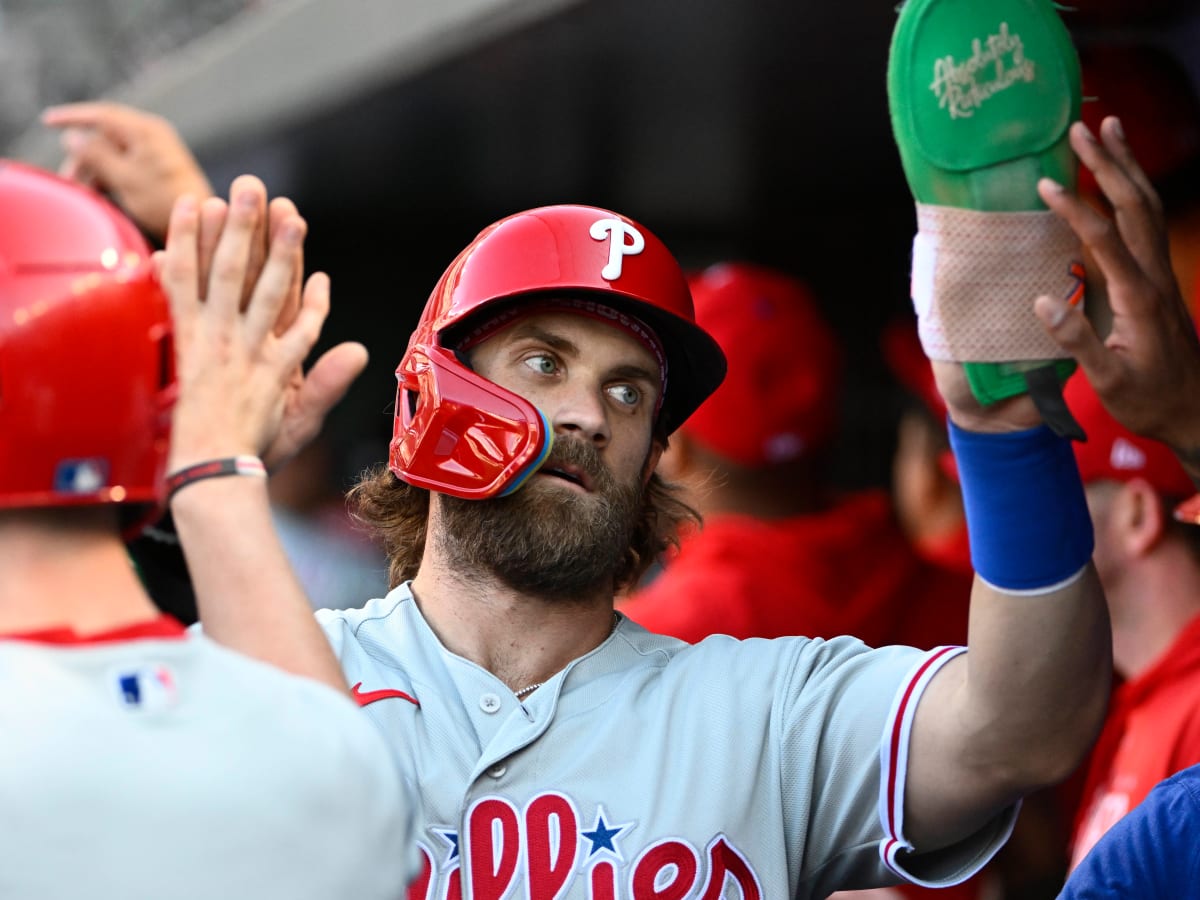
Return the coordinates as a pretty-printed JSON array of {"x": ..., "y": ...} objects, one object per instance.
[
  {"x": 1015, "y": 713},
  {"x": 246, "y": 592},
  {"x": 1037, "y": 673},
  {"x": 1021, "y": 708},
  {"x": 1037, "y": 679}
]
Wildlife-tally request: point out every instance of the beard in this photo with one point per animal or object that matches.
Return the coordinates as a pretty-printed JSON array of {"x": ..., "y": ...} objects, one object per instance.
[{"x": 543, "y": 540}]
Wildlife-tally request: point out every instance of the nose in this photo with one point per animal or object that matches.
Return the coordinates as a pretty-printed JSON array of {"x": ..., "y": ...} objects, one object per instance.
[{"x": 581, "y": 412}]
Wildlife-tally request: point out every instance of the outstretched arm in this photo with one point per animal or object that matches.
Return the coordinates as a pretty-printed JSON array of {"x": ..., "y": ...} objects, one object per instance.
[
  {"x": 240, "y": 382},
  {"x": 1021, "y": 708}
]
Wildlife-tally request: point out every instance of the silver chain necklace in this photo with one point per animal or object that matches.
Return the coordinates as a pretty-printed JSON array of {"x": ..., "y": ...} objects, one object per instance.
[{"x": 533, "y": 687}]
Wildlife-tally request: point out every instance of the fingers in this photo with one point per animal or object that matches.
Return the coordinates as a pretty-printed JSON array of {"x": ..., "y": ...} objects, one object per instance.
[
  {"x": 1136, "y": 205},
  {"x": 1098, "y": 234},
  {"x": 95, "y": 138},
  {"x": 300, "y": 338},
  {"x": 230, "y": 258},
  {"x": 274, "y": 284},
  {"x": 1112, "y": 137},
  {"x": 325, "y": 385},
  {"x": 177, "y": 263},
  {"x": 331, "y": 376},
  {"x": 1072, "y": 331},
  {"x": 1110, "y": 175},
  {"x": 280, "y": 210},
  {"x": 213, "y": 212},
  {"x": 115, "y": 121},
  {"x": 92, "y": 158},
  {"x": 260, "y": 246}
]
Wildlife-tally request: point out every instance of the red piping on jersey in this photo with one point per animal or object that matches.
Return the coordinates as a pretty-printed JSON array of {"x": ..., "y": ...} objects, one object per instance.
[
  {"x": 161, "y": 627},
  {"x": 897, "y": 729},
  {"x": 365, "y": 697}
]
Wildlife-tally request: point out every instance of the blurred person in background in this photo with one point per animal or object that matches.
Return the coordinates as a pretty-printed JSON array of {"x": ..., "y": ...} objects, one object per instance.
[
  {"x": 334, "y": 561},
  {"x": 780, "y": 549},
  {"x": 925, "y": 488},
  {"x": 1149, "y": 564}
]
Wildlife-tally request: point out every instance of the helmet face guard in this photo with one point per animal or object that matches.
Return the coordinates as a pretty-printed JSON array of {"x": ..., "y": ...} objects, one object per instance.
[
  {"x": 460, "y": 434},
  {"x": 467, "y": 437},
  {"x": 87, "y": 378}
]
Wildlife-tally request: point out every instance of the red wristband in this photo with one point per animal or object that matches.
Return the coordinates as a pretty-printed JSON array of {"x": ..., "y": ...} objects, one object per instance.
[{"x": 215, "y": 468}]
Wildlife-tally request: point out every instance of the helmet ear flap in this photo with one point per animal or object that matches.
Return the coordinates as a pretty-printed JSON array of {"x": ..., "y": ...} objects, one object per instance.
[{"x": 460, "y": 434}]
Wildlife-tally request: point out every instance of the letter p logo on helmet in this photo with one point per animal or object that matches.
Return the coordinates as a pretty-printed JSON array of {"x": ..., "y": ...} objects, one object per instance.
[{"x": 615, "y": 230}]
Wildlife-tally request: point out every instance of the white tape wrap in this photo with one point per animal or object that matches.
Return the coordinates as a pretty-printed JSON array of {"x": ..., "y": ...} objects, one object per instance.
[{"x": 976, "y": 274}]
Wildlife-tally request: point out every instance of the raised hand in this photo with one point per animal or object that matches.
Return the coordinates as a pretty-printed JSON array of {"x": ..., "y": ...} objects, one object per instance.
[
  {"x": 136, "y": 157},
  {"x": 1147, "y": 369},
  {"x": 242, "y": 389}
]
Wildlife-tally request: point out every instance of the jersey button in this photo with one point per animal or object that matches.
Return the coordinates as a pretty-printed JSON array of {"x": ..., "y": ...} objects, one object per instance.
[
  {"x": 489, "y": 703},
  {"x": 498, "y": 770}
]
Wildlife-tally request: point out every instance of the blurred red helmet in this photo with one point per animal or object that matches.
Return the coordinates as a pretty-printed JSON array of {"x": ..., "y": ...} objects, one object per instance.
[
  {"x": 781, "y": 396},
  {"x": 1114, "y": 453},
  {"x": 86, "y": 361},
  {"x": 460, "y": 434}
]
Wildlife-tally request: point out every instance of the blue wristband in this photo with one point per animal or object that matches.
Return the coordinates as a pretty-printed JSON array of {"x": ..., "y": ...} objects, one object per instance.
[{"x": 1027, "y": 517}]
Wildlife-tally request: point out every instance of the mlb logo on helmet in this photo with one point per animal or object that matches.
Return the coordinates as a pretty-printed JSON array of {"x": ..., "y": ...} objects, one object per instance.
[
  {"x": 80, "y": 476},
  {"x": 146, "y": 688}
]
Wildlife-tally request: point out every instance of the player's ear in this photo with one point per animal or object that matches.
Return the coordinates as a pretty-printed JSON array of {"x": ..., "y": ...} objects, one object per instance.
[{"x": 1143, "y": 516}]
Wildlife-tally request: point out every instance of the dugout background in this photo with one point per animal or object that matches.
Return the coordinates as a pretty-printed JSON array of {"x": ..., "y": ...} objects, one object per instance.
[{"x": 753, "y": 129}]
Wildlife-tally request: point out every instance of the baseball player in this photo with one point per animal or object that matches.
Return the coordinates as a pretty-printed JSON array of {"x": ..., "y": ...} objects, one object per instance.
[
  {"x": 562, "y": 751},
  {"x": 138, "y": 760}
]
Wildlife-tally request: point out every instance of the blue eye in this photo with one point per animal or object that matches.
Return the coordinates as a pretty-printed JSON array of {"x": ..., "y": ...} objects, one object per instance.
[
  {"x": 541, "y": 363},
  {"x": 625, "y": 394}
]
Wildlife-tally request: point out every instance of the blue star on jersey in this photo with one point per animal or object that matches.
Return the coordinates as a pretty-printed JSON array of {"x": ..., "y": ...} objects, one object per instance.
[
  {"x": 451, "y": 838},
  {"x": 602, "y": 835}
]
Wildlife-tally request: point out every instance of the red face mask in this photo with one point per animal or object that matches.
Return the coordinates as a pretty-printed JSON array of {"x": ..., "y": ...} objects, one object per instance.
[{"x": 467, "y": 437}]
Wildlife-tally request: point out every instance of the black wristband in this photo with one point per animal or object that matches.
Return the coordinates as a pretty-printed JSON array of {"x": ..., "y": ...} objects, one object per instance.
[{"x": 214, "y": 468}]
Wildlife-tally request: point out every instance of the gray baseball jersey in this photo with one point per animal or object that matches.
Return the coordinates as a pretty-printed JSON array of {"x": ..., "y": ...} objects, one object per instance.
[
  {"x": 155, "y": 765},
  {"x": 652, "y": 769}
]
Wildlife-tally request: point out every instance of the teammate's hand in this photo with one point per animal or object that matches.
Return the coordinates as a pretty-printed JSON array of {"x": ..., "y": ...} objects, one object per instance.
[
  {"x": 1147, "y": 370},
  {"x": 242, "y": 390},
  {"x": 134, "y": 156}
]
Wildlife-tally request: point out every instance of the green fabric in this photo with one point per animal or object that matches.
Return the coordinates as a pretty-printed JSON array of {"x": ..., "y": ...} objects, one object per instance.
[{"x": 981, "y": 97}]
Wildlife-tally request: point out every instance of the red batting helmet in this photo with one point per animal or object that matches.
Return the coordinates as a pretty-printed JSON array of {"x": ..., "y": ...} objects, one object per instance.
[
  {"x": 460, "y": 434},
  {"x": 86, "y": 362},
  {"x": 779, "y": 400}
]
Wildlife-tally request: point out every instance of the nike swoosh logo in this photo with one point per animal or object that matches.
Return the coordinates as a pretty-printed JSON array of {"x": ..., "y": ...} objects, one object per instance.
[{"x": 365, "y": 697}]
